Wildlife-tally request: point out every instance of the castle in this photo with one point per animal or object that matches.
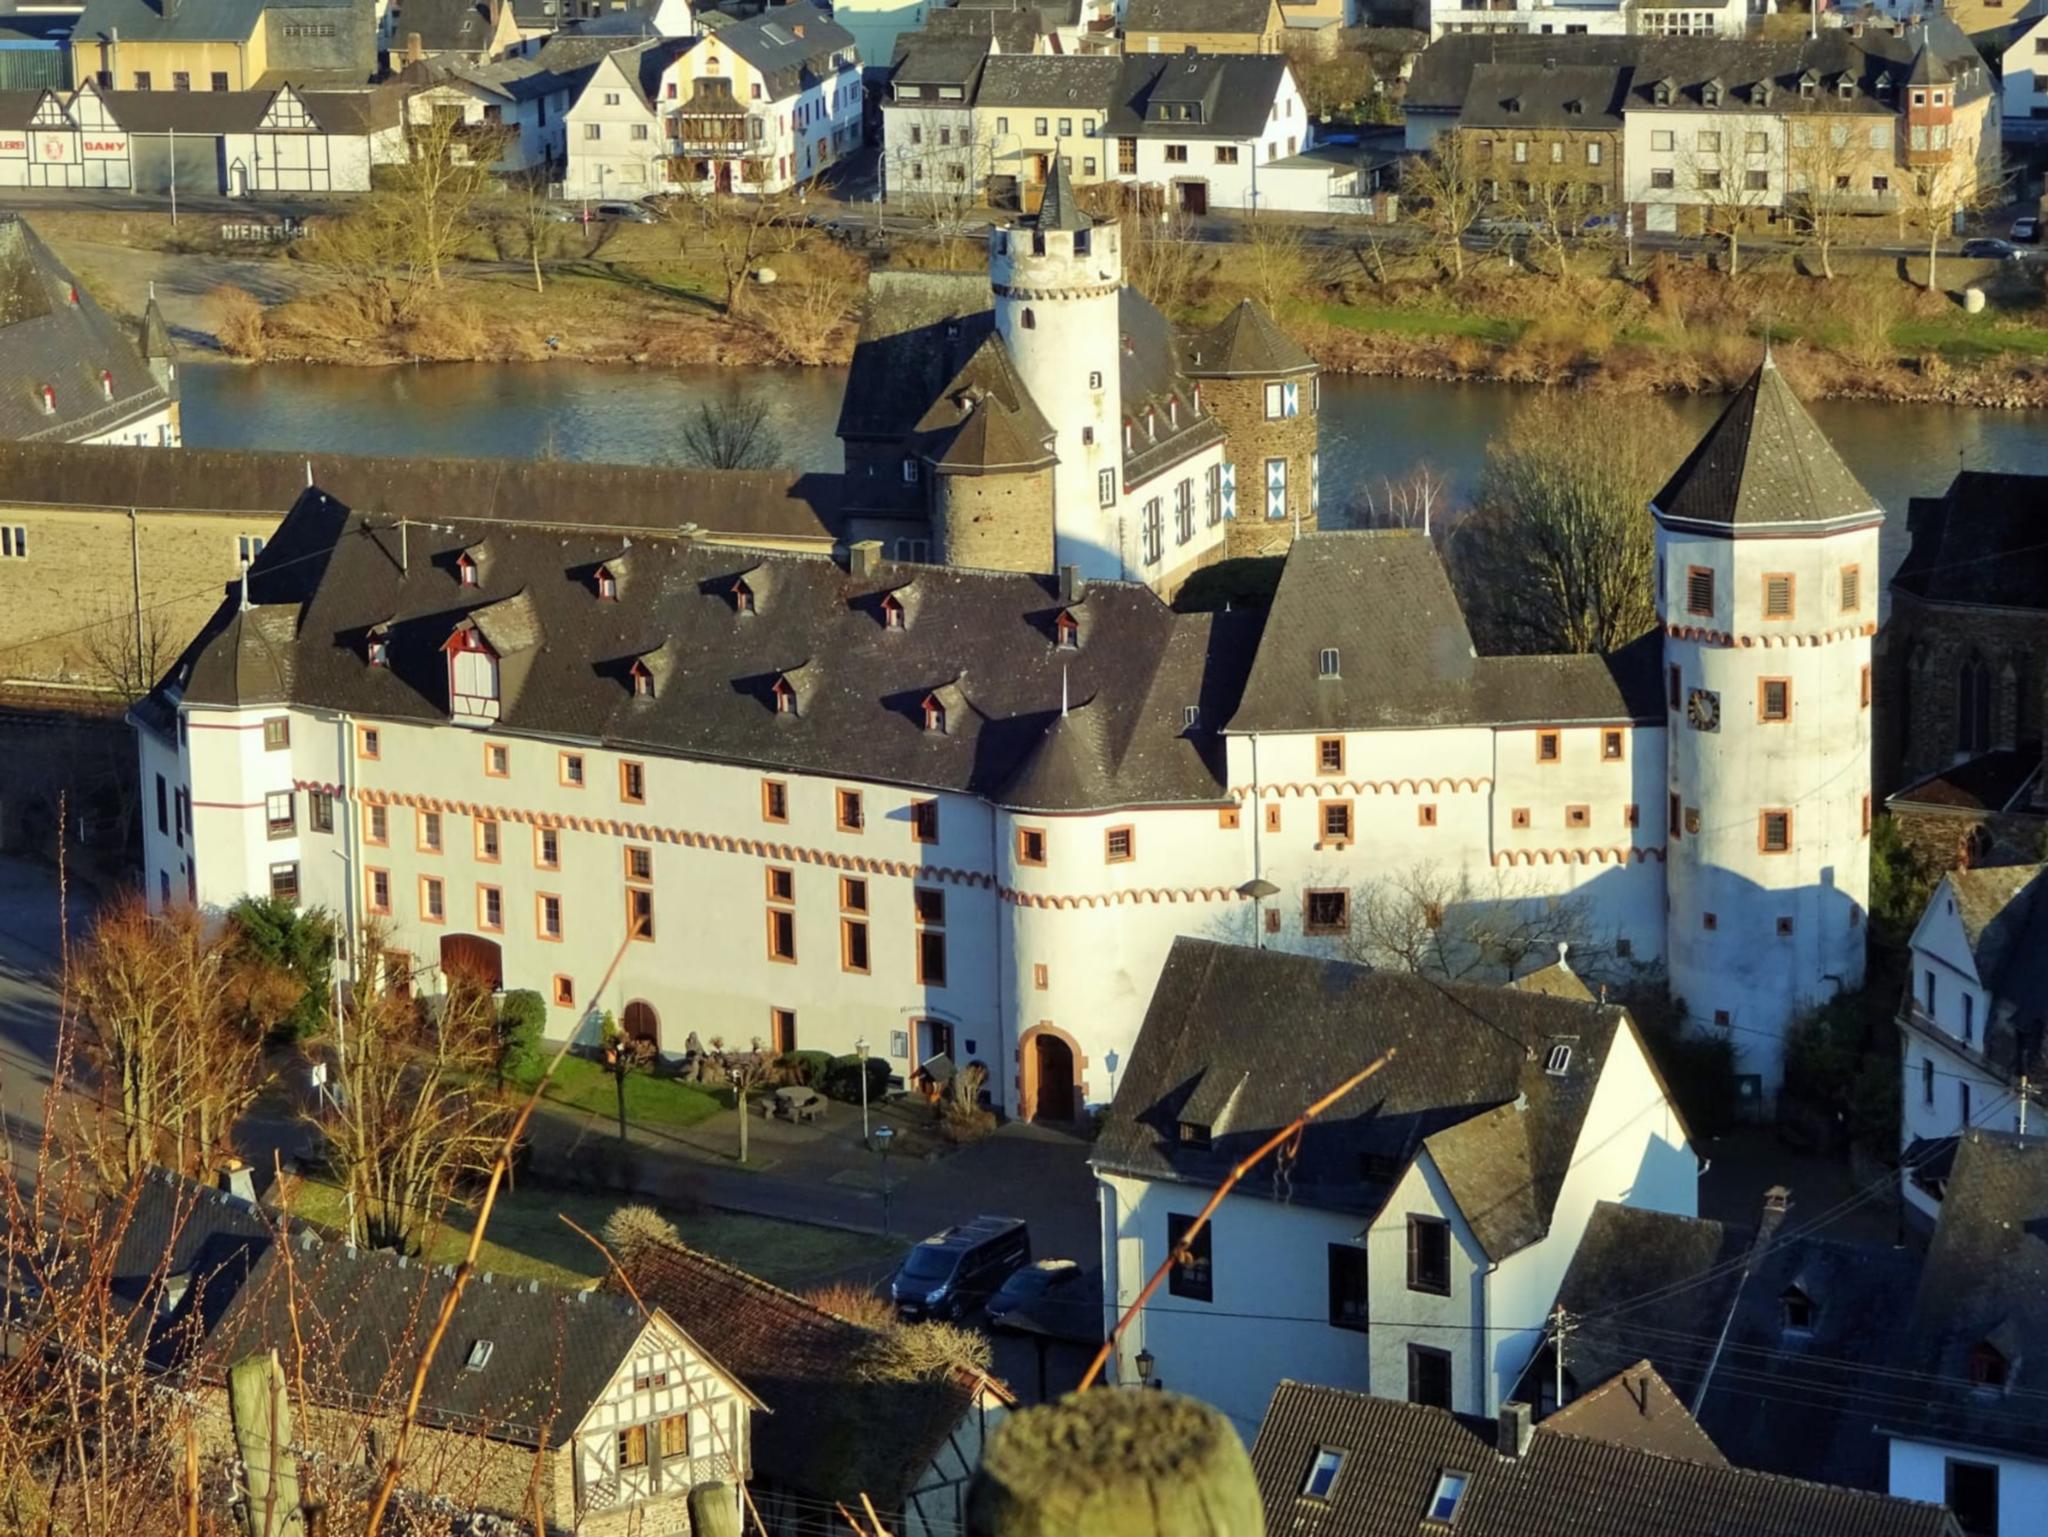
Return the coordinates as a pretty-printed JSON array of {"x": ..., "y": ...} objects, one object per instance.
[{"x": 963, "y": 812}]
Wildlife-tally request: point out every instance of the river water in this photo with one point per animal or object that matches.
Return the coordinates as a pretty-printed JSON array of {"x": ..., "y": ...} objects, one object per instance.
[{"x": 1373, "y": 430}]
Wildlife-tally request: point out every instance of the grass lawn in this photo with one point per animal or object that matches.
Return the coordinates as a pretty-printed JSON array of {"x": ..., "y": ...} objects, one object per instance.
[
  {"x": 1970, "y": 336},
  {"x": 528, "y": 1239},
  {"x": 582, "y": 1084},
  {"x": 1419, "y": 322}
]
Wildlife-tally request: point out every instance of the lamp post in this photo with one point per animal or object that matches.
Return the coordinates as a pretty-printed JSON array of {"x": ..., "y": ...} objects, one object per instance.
[
  {"x": 1258, "y": 889},
  {"x": 885, "y": 1135},
  {"x": 860, "y": 1049},
  {"x": 1111, "y": 1061},
  {"x": 1145, "y": 1362}
]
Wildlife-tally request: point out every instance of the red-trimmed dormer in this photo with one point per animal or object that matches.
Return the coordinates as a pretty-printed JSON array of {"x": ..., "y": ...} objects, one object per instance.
[
  {"x": 468, "y": 570},
  {"x": 893, "y": 616},
  {"x": 473, "y": 674},
  {"x": 106, "y": 384},
  {"x": 47, "y": 397},
  {"x": 934, "y": 714}
]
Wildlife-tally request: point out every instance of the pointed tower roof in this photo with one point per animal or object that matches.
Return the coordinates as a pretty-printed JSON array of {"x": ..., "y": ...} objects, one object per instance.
[
  {"x": 1060, "y": 209},
  {"x": 1929, "y": 67},
  {"x": 1244, "y": 342},
  {"x": 1069, "y": 768},
  {"x": 156, "y": 335},
  {"x": 1762, "y": 464}
]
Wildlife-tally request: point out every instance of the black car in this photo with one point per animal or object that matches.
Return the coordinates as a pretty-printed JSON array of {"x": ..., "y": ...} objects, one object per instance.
[
  {"x": 957, "y": 1269},
  {"x": 1029, "y": 1286},
  {"x": 2001, "y": 250}
]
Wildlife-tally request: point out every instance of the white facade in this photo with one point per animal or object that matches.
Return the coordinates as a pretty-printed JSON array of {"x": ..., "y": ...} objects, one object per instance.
[
  {"x": 155, "y": 429},
  {"x": 1230, "y": 170},
  {"x": 612, "y": 137},
  {"x": 1703, "y": 18},
  {"x": 74, "y": 143},
  {"x": 535, "y": 134},
  {"x": 879, "y": 25},
  {"x": 1920, "y": 1471},
  {"x": 1678, "y": 158},
  {"x": 2024, "y": 79},
  {"x": 1269, "y": 1312}
]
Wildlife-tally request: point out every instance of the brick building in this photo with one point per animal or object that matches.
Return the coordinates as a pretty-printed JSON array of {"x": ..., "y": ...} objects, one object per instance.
[
  {"x": 1546, "y": 139},
  {"x": 1264, "y": 390}
]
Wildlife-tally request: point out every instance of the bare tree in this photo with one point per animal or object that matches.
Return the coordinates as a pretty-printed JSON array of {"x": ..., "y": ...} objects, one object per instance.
[
  {"x": 128, "y": 650},
  {"x": 1935, "y": 199},
  {"x": 1279, "y": 260},
  {"x": 739, "y": 231},
  {"x": 1441, "y": 923},
  {"x": 163, "y": 1007},
  {"x": 1727, "y": 172},
  {"x": 1447, "y": 188},
  {"x": 1419, "y": 499},
  {"x": 1162, "y": 259},
  {"x": 1830, "y": 164},
  {"x": 943, "y": 174},
  {"x": 533, "y": 216},
  {"x": 1558, "y": 555},
  {"x": 731, "y": 431},
  {"x": 410, "y": 1115}
]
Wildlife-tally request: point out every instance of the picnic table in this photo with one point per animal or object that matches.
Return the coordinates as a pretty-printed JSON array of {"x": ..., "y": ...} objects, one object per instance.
[{"x": 797, "y": 1104}]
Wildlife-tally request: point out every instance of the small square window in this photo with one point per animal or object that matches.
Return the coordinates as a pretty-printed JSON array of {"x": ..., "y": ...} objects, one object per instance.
[
  {"x": 565, "y": 992},
  {"x": 369, "y": 742},
  {"x": 1610, "y": 746},
  {"x": 490, "y": 909},
  {"x": 633, "y": 783},
  {"x": 548, "y": 916},
  {"x": 1119, "y": 845},
  {"x": 1329, "y": 755},
  {"x": 639, "y": 863},
  {"x": 781, "y": 884},
  {"x": 774, "y": 801},
  {"x": 1699, "y": 591},
  {"x": 487, "y": 840},
  {"x": 1326, "y": 911},
  {"x": 547, "y": 848},
  {"x": 1030, "y": 846},
  {"x": 377, "y": 825},
  {"x": 1425, "y": 814},
  {"x": 924, "y": 821},
  {"x": 1774, "y": 832},
  {"x": 1710, "y": 922},
  {"x": 1784, "y": 928},
  {"x": 1549, "y": 746},
  {"x": 1519, "y": 817},
  {"x": 1450, "y": 1494},
  {"x": 1040, "y": 977},
  {"x": 430, "y": 832},
  {"x": 853, "y": 894},
  {"x": 1774, "y": 699},
  {"x": 1578, "y": 816},
  {"x": 1273, "y": 818},
  {"x": 1227, "y": 817},
  {"x": 497, "y": 760},
  {"x": 1723, "y": 1020},
  {"x": 1323, "y": 1469},
  {"x": 277, "y": 733},
  {"x": 572, "y": 770},
  {"x": 1336, "y": 817},
  {"x": 1778, "y": 595},
  {"x": 851, "y": 815}
]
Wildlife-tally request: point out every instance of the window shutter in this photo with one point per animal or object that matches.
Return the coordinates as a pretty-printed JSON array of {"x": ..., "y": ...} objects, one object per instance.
[
  {"x": 1414, "y": 1253},
  {"x": 1229, "y": 483},
  {"x": 1276, "y": 488},
  {"x": 1315, "y": 482},
  {"x": 1290, "y": 399}
]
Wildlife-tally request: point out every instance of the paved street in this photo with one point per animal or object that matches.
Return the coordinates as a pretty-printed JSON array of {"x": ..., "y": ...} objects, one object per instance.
[{"x": 29, "y": 950}]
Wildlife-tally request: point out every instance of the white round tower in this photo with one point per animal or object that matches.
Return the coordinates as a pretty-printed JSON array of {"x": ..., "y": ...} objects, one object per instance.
[
  {"x": 1056, "y": 277},
  {"x": 1767, "y": 589}
]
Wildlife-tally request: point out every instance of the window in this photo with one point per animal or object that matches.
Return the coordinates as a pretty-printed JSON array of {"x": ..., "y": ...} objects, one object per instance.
[
  {"x": 1227, "y": 818},
  {"x": 774, "y": 801},
  {"x": 1329, "y": 755},
  {"x": 1323, "y": 1468},
  {"x": 1030, "y": 845},
  {"x": 277, "y": 733},
  {"x": 1336, "y": 820},
  {"x": 928, "y": 907},
  {"x": 1521, "y": 152},
  {"x": 1971, "y": 1491},
  {"x": 1519, "y": 817},
  {"x": 1774, "y": 832},
  {"x": 1699, "y": 591},
  {"x": 1429, "y": 1256},
  {"x": 1864, "y": 689},
  {"x": 433, "y": 905},
  {"x": 1326, "y": 911},
  {"x": 547, "y": 848},
  {"x": 571, "y": 770},
  {"x": 924, "y": 821},
  {"x": 1660, "y": 138},
  {"x": 284, "y": 882},
  {"x": 1674, "y": 690},
  {"x": 1118, "y": 845},
  {"x": 1852, "y": 588},
  {"x": 849, "y": 804},
  {"x": 1926, "y": 1080},
  {"x": 377, "y": 826},
  {"x": 1350, "y": 1301},
  {"x": 1549, "y": 746},
  {"x": 1153, "y": 530},
  {"x": 14, "y": 542},
  {"x": 1429, "y": 1376},
  {"x": 490, "y": 909},
  {"x": 633, "y": 782},
  {"x": 1673, "y": 823},
  {"x": 593, "y": 130},
  {"x": 853, "y": 945},
  {"x": 219, "y": 80},
  {"x": 487, "y": 840},
  {"x": 247, "y": 548},
  {"x": 1661, "y": 176},
  {"x": 497, "y": 760},
  {"x": 1756, "y": 181},
  {"x": 639, "y": 863},
  {"x": 1041, "y": 977},
  {"x": 781, "y": 916},
  {"x": 548, "y": 915},
  {"x": 1774, "y": 699},
  {"x": 280, "y": 818},
  {"x": 1969, "y": 1018},
  {"x": 142, "y": 80},
  {"x": 1176, "y": 154},
  {"x": 1326, "y": 663},
  {"x": 1273, "y": 818},
  {"x": 377, "y": 890},
  {"x": 1963, "y": 1113},
  {"x": 1425, "y": 814},
  {"x": 429, "y": 829},
  {"x": 1711, "y": 922},
  {"x": 1450, "y": 1493},
  {"x": 633, "y": 1447},
  {"x": 1593, "y": 154},
  {"x": 1578, "y": 816},
  {"x": 320, "y": 811},
  {"x": 1191, "y": 1276},
  {"x": 181, "y": 80}
]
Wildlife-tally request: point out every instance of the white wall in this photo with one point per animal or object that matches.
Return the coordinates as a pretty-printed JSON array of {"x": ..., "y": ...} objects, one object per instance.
[
  {"x": 1682, "y": 154},
  {"x": 2025, "y": 65},
  {"x": 626, "y": 159},
  {"x": 1919, "y": 1471},
  {"x": 153, "y": 429},
  {"x": 1287, "y": 131},
  {"x": 878, "y": 25}
]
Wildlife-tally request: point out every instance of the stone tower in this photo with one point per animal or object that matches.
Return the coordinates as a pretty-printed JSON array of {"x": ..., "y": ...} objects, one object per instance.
[
  {"x": 1767, "y": 591},
  {"x": 1056, "y": 277},
  {"x": 1263, "y": 388}
]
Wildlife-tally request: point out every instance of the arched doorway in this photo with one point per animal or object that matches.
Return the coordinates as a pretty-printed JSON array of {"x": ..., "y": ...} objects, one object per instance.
[
  {"x": 1049, "y": 1086},
  {"x": 641, "y": 1023},
  {"x": 474, "y": 957}
]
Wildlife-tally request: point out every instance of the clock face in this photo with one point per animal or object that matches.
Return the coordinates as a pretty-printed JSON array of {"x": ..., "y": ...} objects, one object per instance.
[{"x": 1703, "y": 709}]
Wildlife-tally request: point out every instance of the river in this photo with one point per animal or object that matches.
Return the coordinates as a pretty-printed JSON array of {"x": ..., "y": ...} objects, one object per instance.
[{"x": 1373, "y": 430}]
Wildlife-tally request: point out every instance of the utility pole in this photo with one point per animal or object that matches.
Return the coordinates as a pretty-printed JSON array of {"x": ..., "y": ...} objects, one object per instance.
[
  {"x": 2026, "y": 1088},
  {"x": 1560, "y": 1326}
]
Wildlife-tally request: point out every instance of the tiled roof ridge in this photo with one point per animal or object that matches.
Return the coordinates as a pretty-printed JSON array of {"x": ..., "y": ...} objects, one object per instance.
[{"x": 758, "y": 1283}]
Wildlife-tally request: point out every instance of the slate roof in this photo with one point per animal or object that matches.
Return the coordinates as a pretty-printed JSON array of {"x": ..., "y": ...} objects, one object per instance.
[
  {"x": 1468, "y": 1084},
  {"x": 1059, "y": 208},
  {"x": 444, "y": 26},
  {"x": 1985, "y": 1281},
  {"x": 1982, "y": 542},
  {"x": 1050, "y": 80},
  {"x": 1013, "y": 30},
  {"x": 1564, "y": 1486},
  {"x": 1637, "y": 1408},
  {"x": 1581, "y": 97},
  {"x": 150, "y": 21},
  {"x": 761, "y": 504},
  {"x": 1382, "y": 599},
  {"x": 984, "y": 420},
  {"x": 924, "y": 58},
  {"x": 1998, "y": 780},
  {"x": 1783, "y": 1401},
  {"x": 917, "y": 330},
  {"x": 1197, "y": 16},
  {"x": 2004, "y": 914},
  {"x": 217, "y": 112},
  {"x": 46, "y": 339},
  {"x": 332, "y": 574},
  {"x": 1764, "y": 464},
  {"x": 791, "y": 45},
  {"x": 1244, "y": 344},
  {"x": 1234, "y": 92},
  {"x": 830, "y": 1433}
]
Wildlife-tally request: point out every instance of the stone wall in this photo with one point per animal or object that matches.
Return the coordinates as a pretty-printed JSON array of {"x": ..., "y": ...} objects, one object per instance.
[
  {"x": 1949, "y": 838},
  {"x": 1239, "y": 406},
  {"x": 994, "y": 522},
  {"x": 1919, "y": 664}
]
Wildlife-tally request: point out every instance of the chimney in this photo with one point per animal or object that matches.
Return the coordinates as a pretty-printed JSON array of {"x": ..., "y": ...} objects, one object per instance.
[
  {"x": 1073, "y": 586},
  {"x": 414, "y": 53},
  {"x": 864, "y": 557},
  {"x": 797, "y": 28},
  {"x": 238, "y": 1180},
  {"x": 1517, "y": 1426}
]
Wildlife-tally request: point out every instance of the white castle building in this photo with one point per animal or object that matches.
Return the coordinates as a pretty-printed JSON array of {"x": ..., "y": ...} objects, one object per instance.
[{"x": 820, "y": 799}]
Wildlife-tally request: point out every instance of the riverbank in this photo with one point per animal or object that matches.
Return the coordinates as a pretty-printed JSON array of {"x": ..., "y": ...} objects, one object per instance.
[{"x": 663, "y": 296}]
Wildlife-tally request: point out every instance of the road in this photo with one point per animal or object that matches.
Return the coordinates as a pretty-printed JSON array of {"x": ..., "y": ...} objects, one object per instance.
[{"x": 29, "y": 950}]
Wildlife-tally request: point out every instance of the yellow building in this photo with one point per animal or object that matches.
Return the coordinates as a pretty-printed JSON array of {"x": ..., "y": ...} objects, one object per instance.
[
  {"x": 221, "y": 45},
  {"x": 1206, "y": 26}
]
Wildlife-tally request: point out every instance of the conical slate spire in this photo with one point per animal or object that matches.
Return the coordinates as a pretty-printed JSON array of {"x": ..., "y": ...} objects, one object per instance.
[
  {"x": 1764, "y": 462},
  {"x": 1060, "y": 209}
]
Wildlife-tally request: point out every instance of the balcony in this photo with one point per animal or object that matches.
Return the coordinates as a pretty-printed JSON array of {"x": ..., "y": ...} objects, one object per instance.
[{"x": 717, "y": 133}]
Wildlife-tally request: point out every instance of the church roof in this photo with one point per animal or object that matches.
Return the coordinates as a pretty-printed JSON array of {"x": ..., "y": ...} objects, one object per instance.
[
  {"x": 1764, "y": 464},
  {"x": 1244, "y": 342}
]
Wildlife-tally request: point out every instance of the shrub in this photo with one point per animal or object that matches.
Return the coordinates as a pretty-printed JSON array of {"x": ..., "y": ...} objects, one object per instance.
[
  {"x": 1839, "y": 1068},
  {"x": 638, "y": 1227},
  {"x": 238, "y": 323},
  {"x": 842, "y": 1080},
  {"x": 921, "y": 1352},
  {"x": 522, "y": 1017},
  {"x": 856, "y": 1304},
  {"x": 299, "y": 943},
  {"x": 806, "y": 1068}
]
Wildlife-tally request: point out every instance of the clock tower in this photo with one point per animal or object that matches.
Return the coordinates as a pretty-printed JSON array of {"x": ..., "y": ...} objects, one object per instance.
[{"x": 1767, "y": 587}]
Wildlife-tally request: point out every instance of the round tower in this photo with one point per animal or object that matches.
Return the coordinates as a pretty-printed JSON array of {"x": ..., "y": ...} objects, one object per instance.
[
  {"x": 1767, "y": 587},
  {"x": 1056, "y": 276}
]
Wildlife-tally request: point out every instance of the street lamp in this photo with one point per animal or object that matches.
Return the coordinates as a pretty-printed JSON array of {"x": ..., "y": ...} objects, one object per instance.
[
  {"x": 1258, "y": 889},
  {"x": 885, "y": 1135},
  {"x": 860, "y": 1049},
  {"x": 1144, "y": 1363},
  {"x": 1111, "y": 1061}
]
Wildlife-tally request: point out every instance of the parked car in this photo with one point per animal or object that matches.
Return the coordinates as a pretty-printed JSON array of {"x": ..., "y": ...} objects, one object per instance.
[
  {"x": 1046, "y": 1278},
  {"x": 625, "y": 213},
  {"x": 1600, "y": 223},
  {"x": 2027, "y": 228},
  {"x": 1991, "y": 250},
  {"x": 958, "y": 1268},
  {"x": 1502, "y": 229}
]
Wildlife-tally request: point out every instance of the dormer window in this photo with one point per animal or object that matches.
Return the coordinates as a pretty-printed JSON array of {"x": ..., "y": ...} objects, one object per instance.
[
  {"x": 1884, "y": 84},
  {"x": 1326, "y": 663},
  {"x": 465, "y": 569},
  {"x": 607, "y": 586},
  {"x": 1127, "y": 435},
  {"x": 934, "y": 714},
  {"x": 1575, "y": 108},
  {"x": 1799, "y": 1310},
  {"x": 1988, "y": 1365},
  {"x": 49, "y": 400},
  {"x": 378, "y": 649},
  {"x": 1845, "y": 88},
  {"x": 1196, "y": 400},
  {"x": 106, "y": 384},
  {"x": 892, "y": 612},
  {"x": 1660, "y": 93},
  {"x": 1809, "y": 86},
  {"x": 742, "y": 597},
  {"x": 1559, "y": 1060},
  {"x": 1195, "y": 1134},
  {"x": 784, "y": 695},
  {"x": 472, "y": 675},
  {"x": 1066, "y": 632},
  {"x": 643, "y": 681},
  {"x": 1710, "y": 94}
]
